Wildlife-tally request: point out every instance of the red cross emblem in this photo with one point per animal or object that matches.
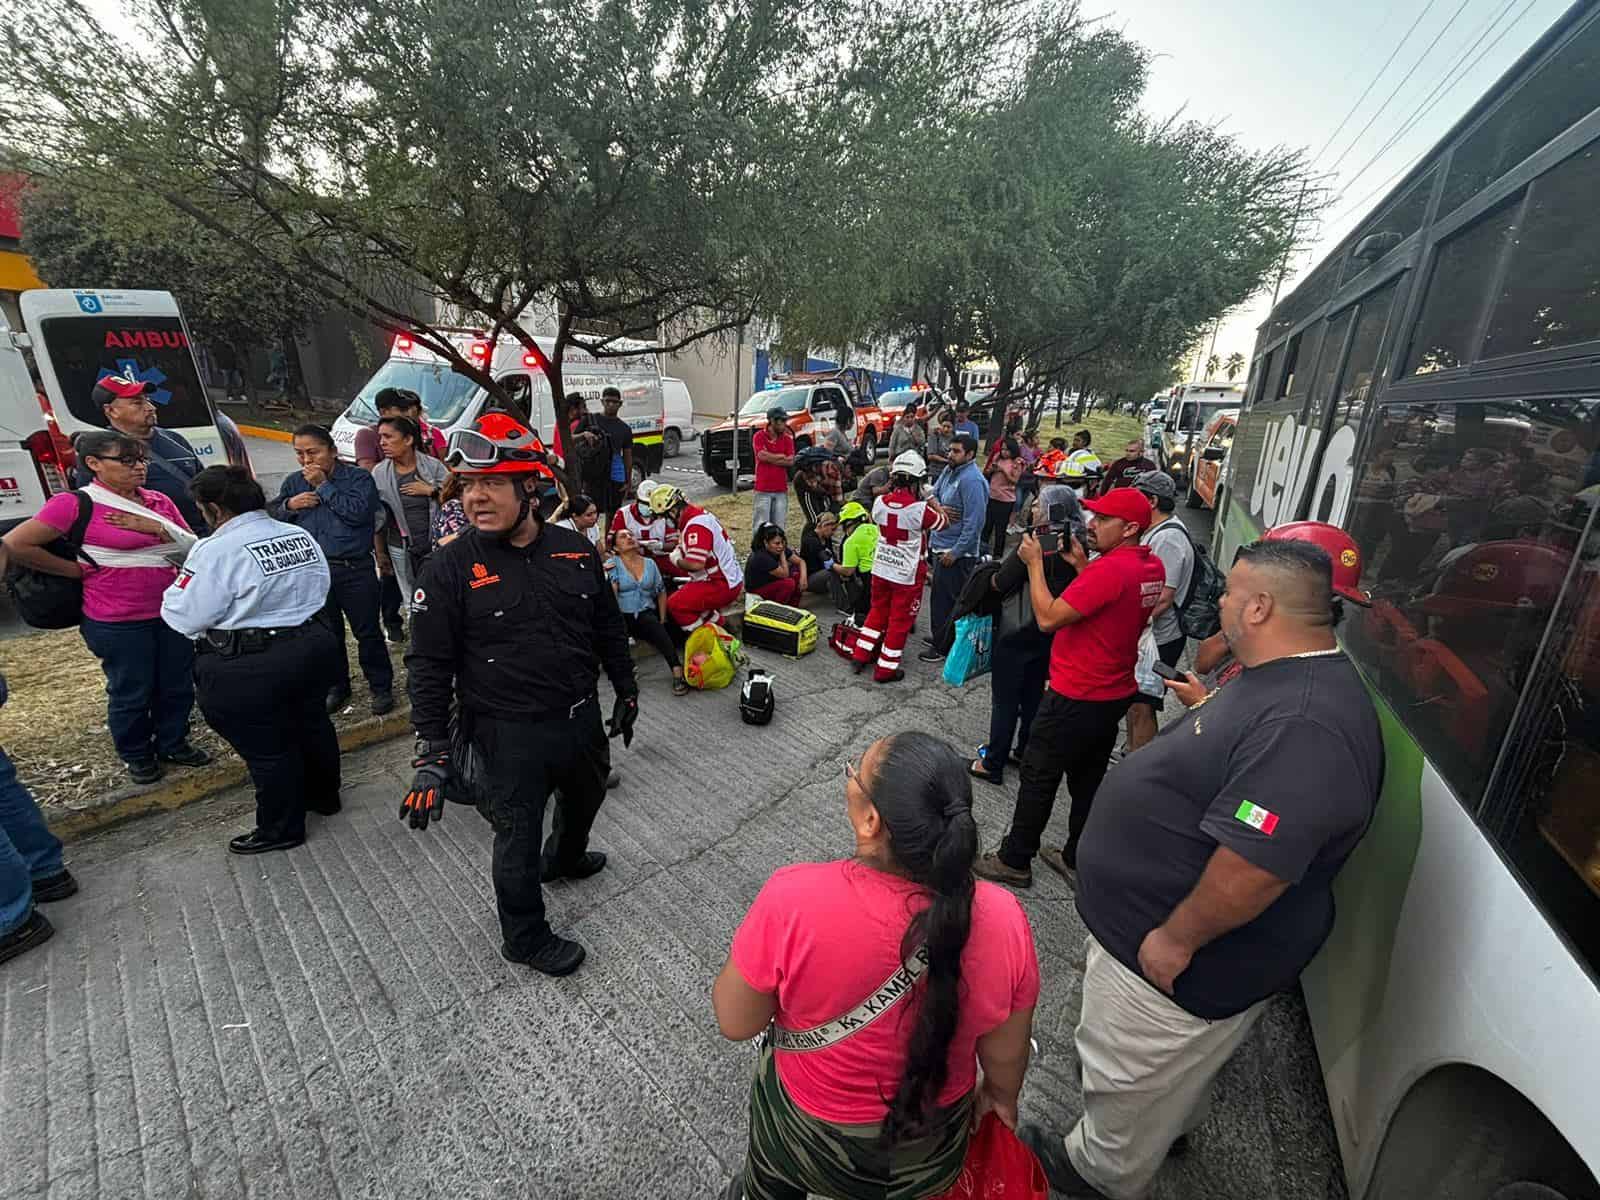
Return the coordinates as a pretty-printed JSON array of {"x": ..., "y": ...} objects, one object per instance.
[{"x": 892, "y": 533}]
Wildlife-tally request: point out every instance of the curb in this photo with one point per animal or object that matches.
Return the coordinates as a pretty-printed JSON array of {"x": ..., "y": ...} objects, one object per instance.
[
  {"x": 266, "y": 431},
  {"x": 192, "y": 786}
]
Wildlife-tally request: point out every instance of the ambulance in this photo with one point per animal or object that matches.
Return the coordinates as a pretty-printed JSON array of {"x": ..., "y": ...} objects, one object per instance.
[
  {"x": 77, "y": 337},
  {"x": 452, "y": 401}
]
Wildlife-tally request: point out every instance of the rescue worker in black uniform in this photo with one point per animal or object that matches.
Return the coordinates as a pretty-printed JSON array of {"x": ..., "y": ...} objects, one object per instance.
[{"x": 514, "y": 620}]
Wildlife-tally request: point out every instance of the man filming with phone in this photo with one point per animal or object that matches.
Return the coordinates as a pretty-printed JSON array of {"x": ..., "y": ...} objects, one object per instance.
[{"x": 1096, "y": 624}]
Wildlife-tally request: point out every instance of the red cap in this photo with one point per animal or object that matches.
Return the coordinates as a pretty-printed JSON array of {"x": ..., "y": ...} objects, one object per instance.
[
  {"x": 120, "y": 387},
  {"x": 1340, "y": 547},
  {"x": 1125, "y": 504}
]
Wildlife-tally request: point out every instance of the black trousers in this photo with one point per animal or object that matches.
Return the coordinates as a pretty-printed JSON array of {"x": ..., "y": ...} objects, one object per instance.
[
  {"x": 525, "y": 760},
  {"x": 996, "y": 518},
  {"x": 389, "y": 598},
  {"x": 647, "y": 627},
  {"x": 353, "y": 597},
  {"x": 271, "y": 707},
  {"x": 1070, "y": 739},
  {"x": 947, "y": 585},
  {"x": 1018, "y": 670}
]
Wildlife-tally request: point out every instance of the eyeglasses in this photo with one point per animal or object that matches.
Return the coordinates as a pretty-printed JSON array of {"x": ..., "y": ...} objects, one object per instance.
[
  {"x": 852, "y": 770},
  {"x": 127, "y": 460}
]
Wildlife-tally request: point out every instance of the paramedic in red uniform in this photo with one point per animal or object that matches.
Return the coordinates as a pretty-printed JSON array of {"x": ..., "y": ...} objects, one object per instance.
[
  {"x": 1097, "y": 622},
  {"x": 657, "y": 536},
  {"x": 715, "y": 576},
  {"x": 899, "y": 567}
]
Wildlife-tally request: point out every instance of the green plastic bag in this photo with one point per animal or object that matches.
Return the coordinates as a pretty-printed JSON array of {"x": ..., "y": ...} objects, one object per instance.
[{"x": 723, "y": 654}]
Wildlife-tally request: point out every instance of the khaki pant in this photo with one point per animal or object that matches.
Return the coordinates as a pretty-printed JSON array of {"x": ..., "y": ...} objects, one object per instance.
[{"x": 1147, "y": 1071}]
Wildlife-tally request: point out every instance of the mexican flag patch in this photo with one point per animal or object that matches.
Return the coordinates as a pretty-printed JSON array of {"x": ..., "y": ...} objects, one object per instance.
[{"x": 1257, "y": 817}]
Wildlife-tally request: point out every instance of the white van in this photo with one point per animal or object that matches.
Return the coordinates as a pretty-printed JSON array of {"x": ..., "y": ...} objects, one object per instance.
[
  {"x": 77, "y": 337},
  {"x": 451, "y": 401},
  {"x": 678, "y": 418}
]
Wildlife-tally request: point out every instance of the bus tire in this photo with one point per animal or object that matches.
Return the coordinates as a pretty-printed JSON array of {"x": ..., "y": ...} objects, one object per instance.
[{"x": 1462, "y": 1134}]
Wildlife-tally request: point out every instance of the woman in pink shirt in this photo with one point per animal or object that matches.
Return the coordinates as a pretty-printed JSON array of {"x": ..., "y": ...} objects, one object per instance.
[
  {"x": 135, "y": 540},
  {"x": 883, "y": 981},
  {"x": 1005, "y": 468}
]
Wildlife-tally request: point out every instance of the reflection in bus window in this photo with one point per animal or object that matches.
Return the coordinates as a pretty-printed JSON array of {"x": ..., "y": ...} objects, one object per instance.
[
  {"x": 1550, "y": 297},
  {"x": 1461, "y": 274},
  {"x": 1356, "y": 384},
  {"x": 1321, "y": 384},
  {"x": 1470, "y": 516}
]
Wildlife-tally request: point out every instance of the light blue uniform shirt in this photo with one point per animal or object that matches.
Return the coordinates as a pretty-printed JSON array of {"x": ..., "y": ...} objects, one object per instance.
[{"x": 253, "y": 573}]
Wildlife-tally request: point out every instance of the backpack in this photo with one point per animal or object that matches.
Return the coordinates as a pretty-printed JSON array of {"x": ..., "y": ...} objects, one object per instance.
[
  {"x": 54, "y": 601},
  {"x": 1200, "y": 607}
]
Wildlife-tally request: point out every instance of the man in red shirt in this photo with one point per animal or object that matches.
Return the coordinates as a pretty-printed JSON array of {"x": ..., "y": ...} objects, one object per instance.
[
  {"x": 1097, "y": 623},
  {"x": 774, "y": 451}
]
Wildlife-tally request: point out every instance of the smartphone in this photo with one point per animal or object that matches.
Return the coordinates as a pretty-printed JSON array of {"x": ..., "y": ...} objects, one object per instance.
[
  {"x": 1049, "y": 540},
  {"x": 1167, "y": 672}
]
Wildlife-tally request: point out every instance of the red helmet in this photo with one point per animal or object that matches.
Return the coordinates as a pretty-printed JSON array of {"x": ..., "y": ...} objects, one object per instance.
[
  {"x": 496, "y": 444},
  {"x": 1340, "y": 547},
  {"x": 1499, "y": 577}
]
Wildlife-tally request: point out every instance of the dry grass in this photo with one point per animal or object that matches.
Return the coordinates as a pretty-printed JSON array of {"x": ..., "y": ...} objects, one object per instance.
[
  {"x": 734, "y": 513},
  {"x": 54, "y": 725},
  {"x": 1111, "y": 431}
]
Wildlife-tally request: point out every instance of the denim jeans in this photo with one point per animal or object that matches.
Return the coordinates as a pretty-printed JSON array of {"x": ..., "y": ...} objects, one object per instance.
[
  {"x": 769, "y": 508},
  {"x": 28, "y": 850},
  {"x": 149, "y": 685}
]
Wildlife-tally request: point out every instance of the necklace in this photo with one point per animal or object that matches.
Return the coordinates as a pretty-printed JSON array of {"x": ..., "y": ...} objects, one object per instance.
[{"x": 1316, "y": 653}]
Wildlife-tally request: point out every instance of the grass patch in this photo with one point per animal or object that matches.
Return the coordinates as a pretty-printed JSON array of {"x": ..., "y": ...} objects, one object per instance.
[
  {"x": 1110, "y": 431},
  {"x": 734, "y": 512},
  {"x": 54, "y": 725}
]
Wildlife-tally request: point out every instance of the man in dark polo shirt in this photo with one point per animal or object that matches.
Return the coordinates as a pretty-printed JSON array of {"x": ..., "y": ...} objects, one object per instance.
[
  {"x": 1097, "y": 623},
  {"x": 1205, "y": 875}
]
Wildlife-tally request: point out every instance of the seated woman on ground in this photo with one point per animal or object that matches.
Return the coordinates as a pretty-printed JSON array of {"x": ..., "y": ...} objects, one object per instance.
[
  {"x": 773, "y": 571},
  {"x": 642, "y": 597},
  {"x": 855, "y": 1108}
]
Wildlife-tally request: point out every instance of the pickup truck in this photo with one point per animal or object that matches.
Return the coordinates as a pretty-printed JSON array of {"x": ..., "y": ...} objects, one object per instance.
[{"x": 812, "y": 402}]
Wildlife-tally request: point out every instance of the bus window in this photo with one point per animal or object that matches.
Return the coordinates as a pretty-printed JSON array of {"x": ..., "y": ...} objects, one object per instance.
[
  {"x": 1300, "y": 357},
  {"x": 1470, "y": 516},
  {"x": 1461, "y": 272},
  {"x": 1320, "y": 385},
  {"x": 1549, "y": 298},
  {"x": 1356, "y": 384}
]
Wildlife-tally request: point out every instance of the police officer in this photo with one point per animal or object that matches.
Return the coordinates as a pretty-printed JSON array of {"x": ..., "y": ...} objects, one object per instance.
[
  {"x": 249, "y": 595},
  {"x": 514, "y": 619}
]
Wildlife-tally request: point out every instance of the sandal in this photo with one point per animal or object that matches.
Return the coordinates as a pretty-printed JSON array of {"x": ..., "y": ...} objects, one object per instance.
[{"x": 680, "y": 686}]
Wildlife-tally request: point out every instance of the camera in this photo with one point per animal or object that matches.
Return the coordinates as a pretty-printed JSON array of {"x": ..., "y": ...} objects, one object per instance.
[{"x": 1059, "y": 522}]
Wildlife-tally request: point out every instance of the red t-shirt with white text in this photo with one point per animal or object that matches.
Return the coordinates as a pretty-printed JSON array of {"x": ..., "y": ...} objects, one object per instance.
[
  {"x": 770, "y": 477},
  {"x": 1115, "y": 594},
  {"x": 824, "y": 937}
]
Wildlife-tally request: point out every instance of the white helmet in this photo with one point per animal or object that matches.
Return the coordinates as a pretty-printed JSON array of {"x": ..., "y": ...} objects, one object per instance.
[
  {"x": 909, "y": 463},
  {"x": 645, "y": 488}
]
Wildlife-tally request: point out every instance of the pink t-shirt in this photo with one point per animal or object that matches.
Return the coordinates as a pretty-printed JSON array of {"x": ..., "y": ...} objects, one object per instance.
[
  {"x": 825, "y": 936},
  {"x": 117, "y": 593}
]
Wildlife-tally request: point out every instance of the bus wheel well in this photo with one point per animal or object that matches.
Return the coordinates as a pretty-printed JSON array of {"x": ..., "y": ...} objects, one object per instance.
[{"x": 1461, "y": 1133}]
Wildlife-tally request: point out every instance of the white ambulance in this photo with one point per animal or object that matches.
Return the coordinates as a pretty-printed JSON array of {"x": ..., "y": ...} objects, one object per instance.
[
  {"x": 78, "y": 336},
  {"x": 451, "y": 401}
]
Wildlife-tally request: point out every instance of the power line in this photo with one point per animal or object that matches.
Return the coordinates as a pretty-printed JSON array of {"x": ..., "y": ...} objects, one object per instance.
[
  {"x": 1429, "y": 104},
  {"x": 1442, "y": 87},
  {"x": 1395, "y": 53},
  {"x": 1406, "y": 78}
]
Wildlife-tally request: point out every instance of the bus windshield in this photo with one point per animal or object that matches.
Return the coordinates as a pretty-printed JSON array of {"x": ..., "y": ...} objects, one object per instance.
[{"x": 444, "y": 393}]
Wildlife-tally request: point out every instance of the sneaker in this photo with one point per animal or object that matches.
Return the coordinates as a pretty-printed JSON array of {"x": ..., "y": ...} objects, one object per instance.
[
  {"x": 894, "y": 676},
  {"x": 337, "y": 699},
  {"x": 186, "y": 755},
  {"x": 54, "y": 887},
  {"x": 930, "y": 655},
  {"x": 592, "y": 863},
  {"x": 382, "y": 702},
  {"x": 34, "y": 931},
  {"x": 146, "y": 770},
  {"x": 1056, "y": 860},
  {"x": 1051, "y": 1151},
  {"x": 394, "y": 631},
  {"x": 995, "y": 869},
  {"x": 558, "y": 956}
]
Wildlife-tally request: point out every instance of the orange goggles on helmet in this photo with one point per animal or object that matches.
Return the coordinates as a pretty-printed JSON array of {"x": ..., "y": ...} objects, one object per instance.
[{"x": 496, "y": 445}]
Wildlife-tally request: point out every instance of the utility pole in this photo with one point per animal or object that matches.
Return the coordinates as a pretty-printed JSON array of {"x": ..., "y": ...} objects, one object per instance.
[
  {"x": 738, "y": 369},
  {"x": 1294, "y": 232}
]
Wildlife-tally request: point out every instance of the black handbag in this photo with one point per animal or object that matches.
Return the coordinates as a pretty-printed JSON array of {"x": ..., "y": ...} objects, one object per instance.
[{"x": 47, "y": 601}]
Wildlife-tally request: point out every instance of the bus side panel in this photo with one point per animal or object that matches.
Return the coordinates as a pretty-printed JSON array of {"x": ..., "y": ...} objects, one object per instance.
[{"x": 1438, "y": 956}]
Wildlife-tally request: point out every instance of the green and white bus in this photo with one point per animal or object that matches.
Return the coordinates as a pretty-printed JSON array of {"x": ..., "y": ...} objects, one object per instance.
[{"x": 1434, "y": 387}]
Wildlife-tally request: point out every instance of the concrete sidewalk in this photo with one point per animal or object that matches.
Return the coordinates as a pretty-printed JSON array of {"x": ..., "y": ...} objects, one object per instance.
[{"x": 336, "y": 1021}]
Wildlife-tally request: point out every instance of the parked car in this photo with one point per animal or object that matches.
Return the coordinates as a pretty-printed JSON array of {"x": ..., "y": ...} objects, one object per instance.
[
  {"x": 1212, "y": 460},
  {"x": 678, "y": 416},
  {"x": 812, "y": 406}
]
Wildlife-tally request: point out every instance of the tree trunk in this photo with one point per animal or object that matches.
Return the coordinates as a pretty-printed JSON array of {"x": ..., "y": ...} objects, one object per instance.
[
  {"x": 294, "y": 382},
  {"x": 1083, "y": 399}
]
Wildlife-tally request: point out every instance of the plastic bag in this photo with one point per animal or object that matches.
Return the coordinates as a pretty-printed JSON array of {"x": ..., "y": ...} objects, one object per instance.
[
  {"x": 998, "y": 1166},
  {"x": 1144, "y": 667},
  {"x": 711, "y": 658},
  {"x": 970, "y": 656}
]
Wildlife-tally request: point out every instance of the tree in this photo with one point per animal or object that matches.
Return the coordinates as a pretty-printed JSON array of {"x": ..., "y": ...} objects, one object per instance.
[
  {"x": 124, "y": 240},
  {"x": 1213, "y": 367},
  {"x": 648, "y": 172},
  {"x": 1233, "y": 366}
]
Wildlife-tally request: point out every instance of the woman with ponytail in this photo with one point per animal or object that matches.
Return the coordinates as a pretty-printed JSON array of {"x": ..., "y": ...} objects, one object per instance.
[{"x": 883, "y": 981}]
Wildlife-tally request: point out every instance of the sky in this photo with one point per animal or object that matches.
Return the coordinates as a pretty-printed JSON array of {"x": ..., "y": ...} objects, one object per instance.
[{"x": 1289, "y": 73}]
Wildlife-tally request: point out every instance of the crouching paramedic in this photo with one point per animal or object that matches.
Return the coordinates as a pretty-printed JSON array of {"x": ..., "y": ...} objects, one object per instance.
[
  {"x": 899, "y": 567},
  {"x": 715, "y": 576},
  {"x": 514, "y": 620}
]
